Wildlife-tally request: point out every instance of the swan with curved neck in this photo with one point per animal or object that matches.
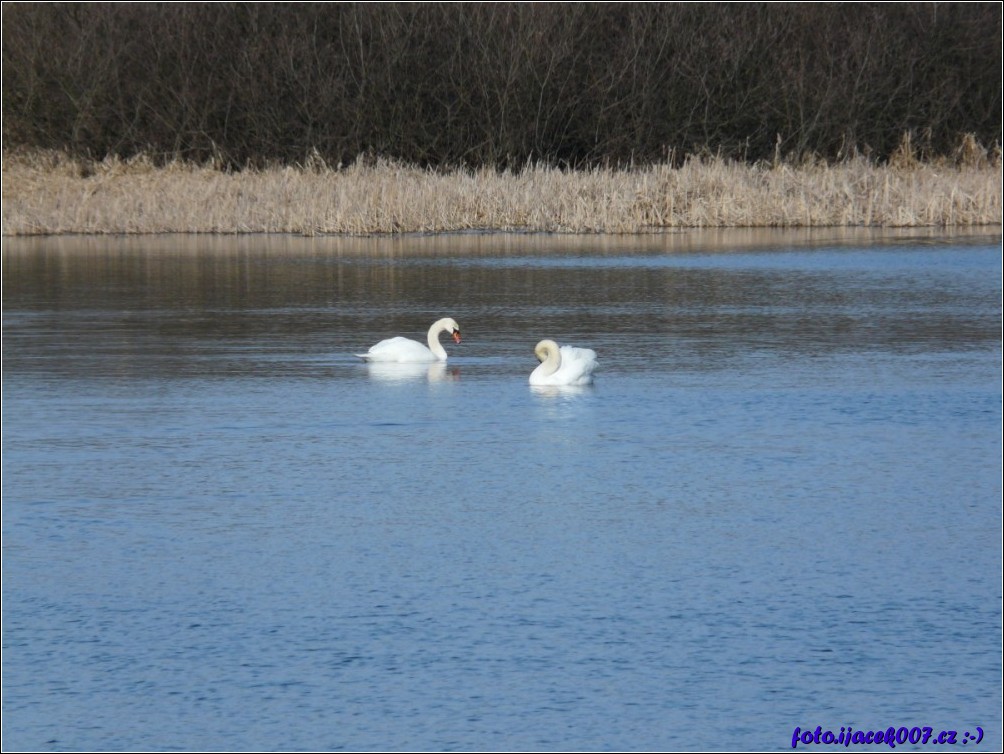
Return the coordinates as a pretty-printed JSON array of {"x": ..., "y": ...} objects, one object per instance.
[
  {"x": 564, "y": 365},
  {"x": 404, "y": 350}
]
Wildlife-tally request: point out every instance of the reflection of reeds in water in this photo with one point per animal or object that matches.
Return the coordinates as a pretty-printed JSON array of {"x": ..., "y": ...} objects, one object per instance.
[{"x": 46, "y": 193}]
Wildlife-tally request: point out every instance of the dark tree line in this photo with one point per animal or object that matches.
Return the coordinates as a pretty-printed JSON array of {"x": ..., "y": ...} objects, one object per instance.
[{"x": 498, "y": 84}]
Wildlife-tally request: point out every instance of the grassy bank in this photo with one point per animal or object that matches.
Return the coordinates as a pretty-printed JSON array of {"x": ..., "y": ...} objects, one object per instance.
[{"x": 48, "y": 193}]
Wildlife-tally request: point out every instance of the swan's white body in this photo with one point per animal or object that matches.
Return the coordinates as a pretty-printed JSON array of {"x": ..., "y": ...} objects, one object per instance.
[
  {"x": 566, "y": 365},
  {"x": 405, "y": 351}
]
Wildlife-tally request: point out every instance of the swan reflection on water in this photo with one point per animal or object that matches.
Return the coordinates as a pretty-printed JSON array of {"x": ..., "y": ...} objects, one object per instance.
[
  {"x": 393, "y": 372},
  {"x": 560, "y": 391}
]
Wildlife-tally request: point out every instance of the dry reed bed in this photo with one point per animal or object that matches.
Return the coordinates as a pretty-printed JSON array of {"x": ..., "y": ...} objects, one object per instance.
[{"x": 45, "y": 194}]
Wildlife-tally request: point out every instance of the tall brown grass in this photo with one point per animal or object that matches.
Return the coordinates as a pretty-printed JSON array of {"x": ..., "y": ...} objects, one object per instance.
[{"x": 49, "y": 193}]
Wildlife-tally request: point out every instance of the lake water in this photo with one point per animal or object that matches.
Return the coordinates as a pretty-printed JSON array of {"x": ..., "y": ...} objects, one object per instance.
[{"x": 778, "y": 507}]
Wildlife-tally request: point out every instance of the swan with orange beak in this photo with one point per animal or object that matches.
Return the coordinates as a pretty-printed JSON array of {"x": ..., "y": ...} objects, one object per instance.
[{"x": 404, "y": 350}]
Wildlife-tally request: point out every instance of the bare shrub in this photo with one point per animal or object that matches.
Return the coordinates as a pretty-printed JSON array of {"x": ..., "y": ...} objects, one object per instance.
[{"x": 248, "y": 85}]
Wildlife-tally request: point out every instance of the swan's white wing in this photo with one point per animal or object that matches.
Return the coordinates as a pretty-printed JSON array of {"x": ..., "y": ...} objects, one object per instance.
[
  {"x": 580, "y": 355},
  {"x": 577, "y": 366},
  {"x": 399, "y": 350}
]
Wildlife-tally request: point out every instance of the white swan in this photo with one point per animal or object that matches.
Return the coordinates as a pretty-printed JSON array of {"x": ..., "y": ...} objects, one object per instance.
[
  {"x": 566, "y": 365},
  {"x": 402, "y": 350}
]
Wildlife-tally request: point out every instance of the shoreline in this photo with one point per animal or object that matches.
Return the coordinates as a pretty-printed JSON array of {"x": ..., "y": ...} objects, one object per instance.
[
  {"x": 882, "y": 231},
  {"x": 47, "y": 194}
]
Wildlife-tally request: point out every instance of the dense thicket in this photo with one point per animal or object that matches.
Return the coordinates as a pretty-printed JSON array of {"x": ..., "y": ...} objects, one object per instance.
[{"x": 498, "y": 83}]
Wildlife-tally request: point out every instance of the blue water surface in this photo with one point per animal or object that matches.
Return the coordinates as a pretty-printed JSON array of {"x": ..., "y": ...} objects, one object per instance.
[{"x": 778, "y": 507}]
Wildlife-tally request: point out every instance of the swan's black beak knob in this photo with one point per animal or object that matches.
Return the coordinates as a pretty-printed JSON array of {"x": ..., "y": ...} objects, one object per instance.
[{"x": 456, "y": 336}]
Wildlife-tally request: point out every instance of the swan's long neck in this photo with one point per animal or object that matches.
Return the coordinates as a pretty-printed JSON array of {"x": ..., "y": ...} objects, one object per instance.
[
  {"x": 435, "y": 346},
  {"x": 549, "y": 355}
]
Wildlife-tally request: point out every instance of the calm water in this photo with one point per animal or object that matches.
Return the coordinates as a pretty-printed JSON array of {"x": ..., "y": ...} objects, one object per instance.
[{"x": 779, "y": 505}]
